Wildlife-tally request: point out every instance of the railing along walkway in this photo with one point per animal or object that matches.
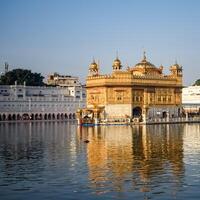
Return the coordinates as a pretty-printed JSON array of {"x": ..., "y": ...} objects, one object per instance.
[{"x": 173, "y": 120}]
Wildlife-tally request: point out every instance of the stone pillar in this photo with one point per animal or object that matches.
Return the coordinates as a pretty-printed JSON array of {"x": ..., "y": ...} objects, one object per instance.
[
  {"x": 96, "y": 119},
  {"x": 144, "y": 114},
  {"x": 167, "y": 116},
  {"x": 79, "y": 116},
  {"x": 79, "y": 121},
  {"x": 144, "y": 118},
  {"x": 145, "y": 97},
  {"x": 186, "y": 116},
  {"x": 15, "y": 90},
  {"x": 24, "y": 91}
]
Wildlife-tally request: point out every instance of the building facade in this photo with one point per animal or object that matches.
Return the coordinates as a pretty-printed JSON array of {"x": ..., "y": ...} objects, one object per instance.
[
  {"x": 62, "y": 80},
  {"x": 191, "y": 99},
  {"x": 21, "y": 102},
  {"x": 136, "y": 93}
]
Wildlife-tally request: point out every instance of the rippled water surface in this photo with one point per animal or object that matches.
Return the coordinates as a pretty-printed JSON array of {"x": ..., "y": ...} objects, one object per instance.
[{"x": 50, "y": 160}]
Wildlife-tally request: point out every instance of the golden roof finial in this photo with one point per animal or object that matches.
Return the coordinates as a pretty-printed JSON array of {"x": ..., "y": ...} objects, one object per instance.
[
  {"x": 93, "y": 59},
  {"x": 117, "y": 57},
  {"x": 144, "y": 55},
  {"x": 93, "y": 65}
]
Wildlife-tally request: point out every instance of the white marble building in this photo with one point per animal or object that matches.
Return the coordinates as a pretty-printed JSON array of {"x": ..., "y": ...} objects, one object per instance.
[
  {"x": 191, "y": 99},
  {"x": 21, "y": 102}
]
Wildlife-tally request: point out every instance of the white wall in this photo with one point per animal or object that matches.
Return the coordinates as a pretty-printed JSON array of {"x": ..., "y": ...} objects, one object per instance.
[{"x": 119, "y": 110}]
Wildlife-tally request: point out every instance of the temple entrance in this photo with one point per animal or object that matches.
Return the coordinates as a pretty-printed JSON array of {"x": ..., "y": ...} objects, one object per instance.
[
  {"x": 164, "y": 114},
  {"x": 137, "y": 112}
]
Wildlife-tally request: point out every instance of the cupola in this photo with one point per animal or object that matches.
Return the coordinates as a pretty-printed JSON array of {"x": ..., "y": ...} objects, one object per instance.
[{"x": 93, "y": 69}]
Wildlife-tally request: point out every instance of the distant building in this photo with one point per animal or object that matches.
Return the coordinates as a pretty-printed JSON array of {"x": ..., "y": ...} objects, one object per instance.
[
  {"x": 62, "y": 80},
  {"x": 138, "y": 92},
  {"x": 191, "y": 99},
  {"x": 19, "y": 102},
  {"x": 6, "y": 67},
  {"x": 71, "y": 82}
]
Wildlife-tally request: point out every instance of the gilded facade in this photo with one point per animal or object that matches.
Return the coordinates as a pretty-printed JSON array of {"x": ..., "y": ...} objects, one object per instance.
[{"x": 136, "y": 93}]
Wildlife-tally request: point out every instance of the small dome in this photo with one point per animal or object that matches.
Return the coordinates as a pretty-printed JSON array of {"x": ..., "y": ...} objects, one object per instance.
[
  {"x": 176, "y": 66},
  {"x": 117, "y": 64},
  {"x": 93, "y": 69},
  {"x": 93, "y": 65}
]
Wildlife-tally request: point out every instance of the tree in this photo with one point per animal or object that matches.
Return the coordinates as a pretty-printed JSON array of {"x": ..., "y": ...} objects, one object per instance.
[
  {"x": 21, "y": 75},
  {"x": 197, "y": 82}
]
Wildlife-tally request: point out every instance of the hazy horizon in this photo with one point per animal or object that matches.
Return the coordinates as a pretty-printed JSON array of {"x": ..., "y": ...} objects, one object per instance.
[{"x": 63, "y": 36}]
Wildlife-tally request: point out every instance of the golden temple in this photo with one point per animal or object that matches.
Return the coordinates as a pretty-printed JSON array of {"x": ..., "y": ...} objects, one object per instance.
[{"x": 135, "y": 94}]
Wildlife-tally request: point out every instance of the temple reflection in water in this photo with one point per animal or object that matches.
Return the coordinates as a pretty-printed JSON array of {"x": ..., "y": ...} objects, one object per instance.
[
  {"x": 134, "y": 158},
  {"x": 119, "y": 162}
]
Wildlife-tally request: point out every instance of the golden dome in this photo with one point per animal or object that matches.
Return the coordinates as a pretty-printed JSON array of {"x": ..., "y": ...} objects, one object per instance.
[
  {"x": 144, "y": 63},
  {"x": 176, "y": 69},
  {"x": 117, "y": 64},
  {"x": 145, "y": 67},
  {"x": 176, "y": 66},
  {"x": 93, "y": 65}
]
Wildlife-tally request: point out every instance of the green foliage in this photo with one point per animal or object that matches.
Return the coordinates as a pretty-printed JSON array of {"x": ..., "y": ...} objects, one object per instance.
[
  {"x": 21, "y": 75},
  {"x": 197, "y": 82}
]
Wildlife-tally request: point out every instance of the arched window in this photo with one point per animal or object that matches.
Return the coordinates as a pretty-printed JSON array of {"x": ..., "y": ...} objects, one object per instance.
[{"x": 137, "y": 112}]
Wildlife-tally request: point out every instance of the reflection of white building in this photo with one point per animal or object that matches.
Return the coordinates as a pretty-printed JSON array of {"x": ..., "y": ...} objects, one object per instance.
[
  {"x": 31, "y": 102},
  {"x": 191, "y": 99}
]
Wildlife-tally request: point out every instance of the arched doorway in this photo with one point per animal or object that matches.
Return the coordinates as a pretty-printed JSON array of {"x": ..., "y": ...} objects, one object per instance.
[
  {"x": 66, "y": 116},
  {"x": 58, "y": 116},
  {"x": 32, "y": 116},
  {"x": 14, "y": 117},
  {"x": 40, "y": 116},
  {"x": 74, "y": 116},
  {"x": 179, "y": 112},
  {"x": 49, "y": 116},
  {"x": 62, "y": 116},
  {"x": 9, "y": 117},
  {"x": 70, "y": 116},
  {"x": 18, "y": 117},
  {"x": 4, "y": 117},
  {"x": 137, "y": 112},
  {"x": 164, "y": 114},
  {"x": 36, "y": 116},
  {"x": 45, "y": 116}
]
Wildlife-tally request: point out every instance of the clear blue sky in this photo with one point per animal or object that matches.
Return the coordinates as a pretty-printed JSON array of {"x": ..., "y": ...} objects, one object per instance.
[{"x": 63, "y": 35}]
